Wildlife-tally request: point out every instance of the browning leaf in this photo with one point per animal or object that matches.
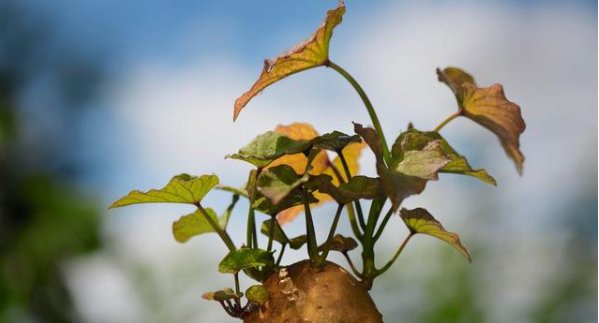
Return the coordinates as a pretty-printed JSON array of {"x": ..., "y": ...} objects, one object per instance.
[
  {"x": 312, "y": 53},
  {"x": 420, "y": 221},
  {"x": 488, "y": 107}
]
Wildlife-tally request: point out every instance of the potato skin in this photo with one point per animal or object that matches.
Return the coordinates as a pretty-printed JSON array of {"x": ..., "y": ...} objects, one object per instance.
[{"x": 300, "y": 293}]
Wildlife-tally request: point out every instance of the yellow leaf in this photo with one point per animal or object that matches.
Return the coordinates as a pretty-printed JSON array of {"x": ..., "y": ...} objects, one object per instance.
[
  {"x": 488, "y": 107},
  {"x": 312, "y": 53}
]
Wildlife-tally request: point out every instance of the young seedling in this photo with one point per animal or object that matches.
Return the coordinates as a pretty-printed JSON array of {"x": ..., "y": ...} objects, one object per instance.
[{"x": 293, "y": 174}]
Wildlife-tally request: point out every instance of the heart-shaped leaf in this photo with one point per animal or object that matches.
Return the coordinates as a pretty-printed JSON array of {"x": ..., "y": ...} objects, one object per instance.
[
  {"x": 180, "y": 189},
  {"x": 269, "y": 146},
  {"x": 193, "y": 224},
  {"x": 312, "y": 53},
  {"x": 257, "y": 294},
  {"x": 278, "y": 233},
  {"x": 424, "y": 163},
  {"x": 244, "y": 258},
  {"x": 341, "y": 244},
  {"x": 277, "y": 182},
  {"x": 335, "y": 141},
  {"x": 488, "y": 107},
  {"x": 413, "y": 139},
  {"x": 420, "y": 220}
]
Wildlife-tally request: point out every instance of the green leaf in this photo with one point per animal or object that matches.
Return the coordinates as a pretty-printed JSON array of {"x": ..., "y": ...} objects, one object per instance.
[
  {"x": 193, "y": 224},
  {"x": 297, "y": 242},
  {"x": 413, "y": 139},
  {"x": 278, "y": 233},
  {"x": 490, "y": 108},
  {"x": 257, "y": 294},
  {"x": 424, "y": 163},
  {"x": 358, "y": 187},
  {"x": 309, "y": 54},
  {"x": 265, "y": 206},
  {"x": 180, "y": 189},
  {"x": 269, "y": 146},
  {"x": 236, "y": 191},
  {"x": 244, "y": 258},
  {"x": 277, "y": 182},
  {"x": 397, "y": 186},
  {"x": 221, "y": 295},
  {"x": 341, "y": 244},
  {"x": 420, "y": 221},
  {"x": 335, "y": 141}
]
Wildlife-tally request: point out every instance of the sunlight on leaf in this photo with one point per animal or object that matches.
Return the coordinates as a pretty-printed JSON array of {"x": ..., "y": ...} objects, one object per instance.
[
  {"x": 244, "y": 258},
  {"x": 181, "y": 189},
  {"x": 301, "y": 131},
  {"x": 312, "y": 53},
  {"x": 488, "y": 107},
  {"x": 420, "y": 221},
  {"x": 277, "y": 182},
  {"x": 424, "y": 163},
  {"x": 237, "y": 191}
]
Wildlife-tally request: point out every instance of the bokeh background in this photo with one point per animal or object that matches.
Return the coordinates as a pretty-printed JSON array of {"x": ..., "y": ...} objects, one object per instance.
[{"x": 100, "y": 97}]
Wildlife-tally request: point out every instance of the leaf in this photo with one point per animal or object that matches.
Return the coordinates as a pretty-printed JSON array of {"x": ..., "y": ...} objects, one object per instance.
[
  {"x": 277, "y": 182},
  {"x": 490, "y": 108},
  {"x": 424, "y": 163},
  {"x": 359, "y": 187},
  {"x": 244, "y": 258},
  {"x": 180, "y": 189},
  {"x": 312, "y": 53},
  {"x": 236, "y": 191},
  {"x": 341, "y": 244},
  {"x": 297, "y": 242},
  {"x": 397, "y": 186},
  {"x": 278, "y": 233},
  {"x": 302, "y": 131},
  {"x": 265, "y": 206},
  {"x": 257, "y": 294},
  {"x": 193, "y": 224},
  {"x": 335, "y": 141},
  {"x": 221, "y": 295},
  {"x": 413, "y": 139},
  {"x": 420, "y": 221},
  {"x": 269, "y": 146}
]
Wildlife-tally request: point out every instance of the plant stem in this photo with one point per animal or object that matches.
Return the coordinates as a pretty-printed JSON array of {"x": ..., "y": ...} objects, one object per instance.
[
  {"x": 325, "y": 251},
  {"x": 447, "y": 120},
  {"x": 312, "y": 244},
  {"x": 251, "y": 235},
  {"x": 237, "y": 290},
  {"x": 223, "y": 234},
  {"x": 350, "y": 209},
  {"x": 281, "y": 254},
  {"x": 381, "y": 228},
  {"x": 368, "y": 105},
  {"x": 369, "y": 269},
  {"x": 271, "y": 233},
  {"x": 349, "y": 176},
  {"x": 397, "y": 253},
  {"x": 351, "y": 265}
]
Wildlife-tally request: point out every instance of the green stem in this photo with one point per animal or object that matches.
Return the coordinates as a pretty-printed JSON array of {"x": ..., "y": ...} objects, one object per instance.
[
  {"x": 237, "y": 290},
  {"x": 223, "y": 234},
  {"x": 326, "y": 248},
  {"x": 368, "y": 241},
  {"x": 281, "y": 254},
  {"x": 312, "y": 244},
  {"x": 351, "y": 264},
  {"x": 369, "y": 107},
  {"x": 251, "y": 235},
  {"x": 350, "y": 209},
  {"x": 381, "y": 228},
  {"x": 447, "y": 120},
  {"x": 349, "y": 176},
  {"x": 397, "y": 253},
  {"x": 271, "y": 233}
]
